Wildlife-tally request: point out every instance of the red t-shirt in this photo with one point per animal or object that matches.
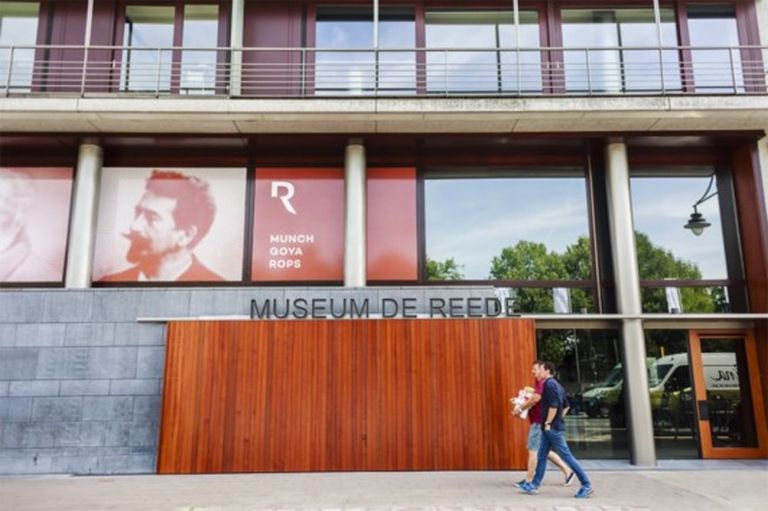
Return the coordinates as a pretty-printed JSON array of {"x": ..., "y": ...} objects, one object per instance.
[{"x": 534, "y": 414}]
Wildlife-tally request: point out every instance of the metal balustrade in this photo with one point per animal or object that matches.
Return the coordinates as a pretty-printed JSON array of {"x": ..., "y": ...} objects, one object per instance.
[{"x": 312, "y": 72}]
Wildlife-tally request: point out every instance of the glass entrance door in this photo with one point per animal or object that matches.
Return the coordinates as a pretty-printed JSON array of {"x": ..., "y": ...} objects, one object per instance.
[{"x": 728, "y": 395}]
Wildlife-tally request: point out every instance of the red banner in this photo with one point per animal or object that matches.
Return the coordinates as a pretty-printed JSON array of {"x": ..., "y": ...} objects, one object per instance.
[
  {"x": 298, "y": 224},
  {"x": 392, "y": 238}
]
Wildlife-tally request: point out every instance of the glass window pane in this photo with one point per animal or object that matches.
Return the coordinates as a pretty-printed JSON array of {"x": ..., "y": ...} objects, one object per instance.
[
  {"x": 481, "y": 71},
  {"x": 558, "y": 300},
  {"x": 514, "y": 228},
  {"x": 672, "y": 399},
  {"x": 661, "y": 206},
  {"x": 613, "y": 70},
  {"x": 589, "y": 367},
  {"x": 677, "y": 299},
  {"x": 354, "y": 72},
  {"x": 18, "y": 27},
  {"x": 726, "y": 377},
  {"x": 147, "y": 28},
  {"x": 714, "y": 27},
  {"x": 201, "y": 30}
]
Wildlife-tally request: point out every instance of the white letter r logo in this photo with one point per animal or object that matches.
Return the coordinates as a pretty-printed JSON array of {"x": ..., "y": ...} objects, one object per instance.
[{"x": 286, "y": 198}]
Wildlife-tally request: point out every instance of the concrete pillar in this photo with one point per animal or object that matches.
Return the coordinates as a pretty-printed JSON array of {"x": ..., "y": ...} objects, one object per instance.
[
  {"x": 637, "y": 398},
  {"x": 85, "y": 207},
  {"x": 355, "y": 274},
  {"x": 236, "y": 42}
]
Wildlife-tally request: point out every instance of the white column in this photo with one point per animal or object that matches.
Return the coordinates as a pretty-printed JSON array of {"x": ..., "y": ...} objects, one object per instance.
[
  {"x": 85, "y": 207},
  {"x": 236, "y": 42},
  {"x": 355, "y": 274},
  {"x": 626, "y": 275}
]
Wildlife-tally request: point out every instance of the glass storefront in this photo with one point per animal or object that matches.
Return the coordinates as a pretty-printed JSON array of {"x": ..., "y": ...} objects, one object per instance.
[
  {"x": 672, "y": 397},
  {"x": 507, "y": 225},
  {"x": 728, "y": 393},
  {"x": 589, "y": 367}
]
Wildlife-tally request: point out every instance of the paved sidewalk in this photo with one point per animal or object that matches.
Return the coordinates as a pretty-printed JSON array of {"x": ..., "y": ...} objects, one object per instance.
[{"x": 688, "y": 490}]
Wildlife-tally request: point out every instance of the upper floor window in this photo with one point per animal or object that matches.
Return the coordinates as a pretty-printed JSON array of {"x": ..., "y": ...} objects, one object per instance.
[
  {"x": 609, "y": 54},
  {"x": 147, "y": 35},
  {"x": 360, "y": 70},
  {"x": 199, "y": 70},
  {"x": 713, "y": 34},
  {"x": 18, "y": 27},
  {"x": 456, "y": 56},
  {"x": 149, "y": 63}
]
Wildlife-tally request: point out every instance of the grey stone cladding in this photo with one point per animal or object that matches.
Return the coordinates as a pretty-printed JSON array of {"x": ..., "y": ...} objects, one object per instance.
[{"x": 81, "y": 378}]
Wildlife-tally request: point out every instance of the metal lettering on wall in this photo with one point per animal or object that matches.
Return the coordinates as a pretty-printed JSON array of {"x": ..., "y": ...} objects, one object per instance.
[{"x": 324, "y": 308}]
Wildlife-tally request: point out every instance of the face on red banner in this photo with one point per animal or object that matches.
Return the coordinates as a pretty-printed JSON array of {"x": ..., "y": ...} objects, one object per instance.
[
  {"x": 34, "y": 214},
  {"x": 298, "y": 225},
  {"x": 170, "y": 225}
]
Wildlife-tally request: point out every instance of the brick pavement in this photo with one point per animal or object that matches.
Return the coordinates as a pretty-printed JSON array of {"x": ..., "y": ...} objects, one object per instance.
[{"x": 629, "y": 490}]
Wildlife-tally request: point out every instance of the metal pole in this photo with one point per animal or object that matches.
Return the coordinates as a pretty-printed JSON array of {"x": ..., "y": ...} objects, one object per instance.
[
  {"x": 375, "y": 47},
  {"x": 10, "y": 73},
  {"x": 375, "y": 24},
  {"x": 657, "y": 17},
  {"x": 236, "y": 43},
  {"x": 86, "y": 43},
  {"x": 516, "y": 14}
]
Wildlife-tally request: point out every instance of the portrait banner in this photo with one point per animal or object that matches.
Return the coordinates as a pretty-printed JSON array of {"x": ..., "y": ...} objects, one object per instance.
[
  {"x": 170, "y": 225},
  {"x": 298, "y": 225},
  {"x": 34, "y": 222}
]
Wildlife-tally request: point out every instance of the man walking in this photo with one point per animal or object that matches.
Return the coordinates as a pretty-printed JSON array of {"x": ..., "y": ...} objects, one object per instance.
[
  {"x": 533, "y": 405},
  {"x": 553, "y": 404}
]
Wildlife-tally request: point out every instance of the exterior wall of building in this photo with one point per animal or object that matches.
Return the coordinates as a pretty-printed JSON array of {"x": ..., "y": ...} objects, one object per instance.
[{"x": 81, "y": 380}]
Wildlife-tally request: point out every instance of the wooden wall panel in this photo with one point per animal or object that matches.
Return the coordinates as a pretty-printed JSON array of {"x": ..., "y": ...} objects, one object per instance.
[{"x": 286, "y": 396}]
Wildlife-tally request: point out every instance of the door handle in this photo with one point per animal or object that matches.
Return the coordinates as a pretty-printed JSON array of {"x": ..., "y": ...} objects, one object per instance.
[{"x": 703, "y": 410}]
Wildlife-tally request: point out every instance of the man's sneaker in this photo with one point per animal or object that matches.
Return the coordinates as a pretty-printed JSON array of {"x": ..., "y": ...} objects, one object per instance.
[
  {"x": 520, "y": 483},
  {"x": 584, "y": 492},
  {"x": 569, "y": 478},
  {"x": 528, "y": 488}
]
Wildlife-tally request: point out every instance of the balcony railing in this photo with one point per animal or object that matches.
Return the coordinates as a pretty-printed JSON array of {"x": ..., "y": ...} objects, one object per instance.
[{"x": 312, "y": 72}]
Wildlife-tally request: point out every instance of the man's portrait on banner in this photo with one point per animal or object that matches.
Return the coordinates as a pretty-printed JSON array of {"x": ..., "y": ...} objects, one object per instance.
[
  {"x": 34, "y": 212},
  {"x": 170, "y": 225}
]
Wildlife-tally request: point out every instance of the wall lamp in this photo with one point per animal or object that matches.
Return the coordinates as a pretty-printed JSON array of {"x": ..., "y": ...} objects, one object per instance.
[{"x": 697, "y": 223}]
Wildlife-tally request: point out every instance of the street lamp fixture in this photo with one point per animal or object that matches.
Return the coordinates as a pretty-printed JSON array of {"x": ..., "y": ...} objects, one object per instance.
[{"x": 697, "y": 223}]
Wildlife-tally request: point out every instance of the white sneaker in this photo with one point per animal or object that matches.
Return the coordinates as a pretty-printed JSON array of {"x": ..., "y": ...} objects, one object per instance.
[{"x": 569, "y": 478}]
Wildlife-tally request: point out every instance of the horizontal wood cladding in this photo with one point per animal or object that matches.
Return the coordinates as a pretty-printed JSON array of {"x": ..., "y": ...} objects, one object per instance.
[{"x": 290, "y": 396}]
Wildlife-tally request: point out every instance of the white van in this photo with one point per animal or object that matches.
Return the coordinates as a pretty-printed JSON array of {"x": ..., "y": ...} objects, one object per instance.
[{"x": 671, "y": 373}]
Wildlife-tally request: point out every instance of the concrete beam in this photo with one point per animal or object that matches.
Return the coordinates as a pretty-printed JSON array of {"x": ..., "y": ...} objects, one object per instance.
[{"x": 386, "y": 115}]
